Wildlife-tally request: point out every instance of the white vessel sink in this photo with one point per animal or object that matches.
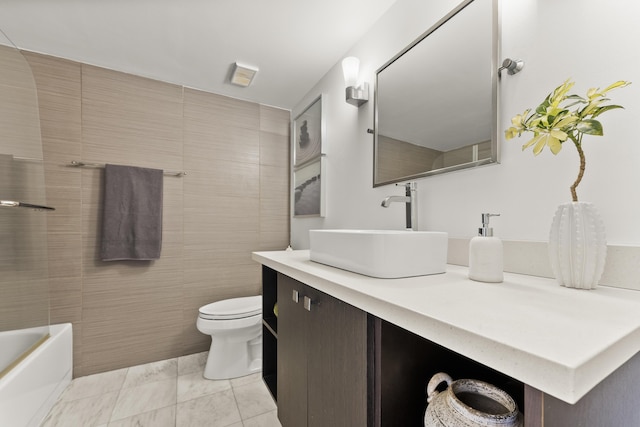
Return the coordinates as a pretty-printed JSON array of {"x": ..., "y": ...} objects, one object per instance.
[{"x": 387, "y": 254}]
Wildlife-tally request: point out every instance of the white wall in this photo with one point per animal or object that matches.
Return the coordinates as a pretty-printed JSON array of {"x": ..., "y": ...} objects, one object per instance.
[{"x": 593, "y": 42}]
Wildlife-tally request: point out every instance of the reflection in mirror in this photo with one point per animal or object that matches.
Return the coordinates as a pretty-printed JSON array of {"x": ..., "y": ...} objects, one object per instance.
[{"x": 436, "y": 101}]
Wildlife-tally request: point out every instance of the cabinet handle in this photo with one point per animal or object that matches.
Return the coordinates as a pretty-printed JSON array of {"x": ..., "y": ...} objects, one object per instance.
[
  {"x": 295, "y": 296},
  {"x": 307, "y": 303}
]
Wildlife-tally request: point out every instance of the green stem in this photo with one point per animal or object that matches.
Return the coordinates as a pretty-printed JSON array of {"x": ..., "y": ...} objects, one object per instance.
[{"x": 578, "y": 143}]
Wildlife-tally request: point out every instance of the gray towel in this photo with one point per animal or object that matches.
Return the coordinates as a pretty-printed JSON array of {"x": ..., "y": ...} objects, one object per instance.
[{"x": 132, "y": 213}]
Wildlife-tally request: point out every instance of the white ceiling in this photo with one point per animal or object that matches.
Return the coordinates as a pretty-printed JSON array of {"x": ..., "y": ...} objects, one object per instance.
[{"x": 195, "y": 42}]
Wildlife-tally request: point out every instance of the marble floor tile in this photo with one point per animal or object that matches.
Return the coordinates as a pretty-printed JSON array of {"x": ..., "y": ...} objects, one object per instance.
[
  {"x": 94, "y": 385},
  {"x": 214, "y": 410},
  {"x": 247, "y": 379},
  {"x": 270, "y": 419},
  {"x": 192, "y": 363},
  {"x": 163, "y": 417},
  {"x": 151, "y": 372},
  {"x": 192, "y": 386},
  {"x": 170, "y": 393},
  {"x": 253, "y": 399},
  {"x": 89, "y": 412},
  {"x": 145, "y": 398}
]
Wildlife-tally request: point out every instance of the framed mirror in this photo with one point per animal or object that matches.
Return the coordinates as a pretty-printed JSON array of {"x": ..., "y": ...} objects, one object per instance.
[{"x": 436, "y": 101}]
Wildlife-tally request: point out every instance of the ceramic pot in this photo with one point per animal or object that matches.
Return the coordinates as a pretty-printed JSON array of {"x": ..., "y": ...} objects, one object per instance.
[
  {"x": 577, "y": 245},
  {"x": 469, "y": 403}
]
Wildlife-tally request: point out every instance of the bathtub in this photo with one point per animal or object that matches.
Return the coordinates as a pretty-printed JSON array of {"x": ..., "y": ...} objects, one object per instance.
[{"x": 31, "y": 388}]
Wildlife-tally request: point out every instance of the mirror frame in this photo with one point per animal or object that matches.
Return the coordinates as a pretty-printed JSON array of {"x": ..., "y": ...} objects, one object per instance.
[{"x": 495, "y": 54}]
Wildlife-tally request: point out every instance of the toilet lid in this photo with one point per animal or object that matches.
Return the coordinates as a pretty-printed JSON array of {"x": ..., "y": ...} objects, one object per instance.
[{"x": 234, "y": 308}]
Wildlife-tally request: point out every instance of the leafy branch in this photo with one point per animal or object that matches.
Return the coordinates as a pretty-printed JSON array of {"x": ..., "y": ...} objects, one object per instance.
[{"x": 553, "y": 122}]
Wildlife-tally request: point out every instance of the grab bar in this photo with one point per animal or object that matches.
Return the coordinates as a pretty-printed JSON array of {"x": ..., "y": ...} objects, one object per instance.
[{"x": 12, "y": 204}]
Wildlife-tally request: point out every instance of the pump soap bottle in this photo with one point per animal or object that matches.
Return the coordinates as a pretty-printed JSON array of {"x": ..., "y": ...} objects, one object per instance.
[{"x": 485, "y": 254}]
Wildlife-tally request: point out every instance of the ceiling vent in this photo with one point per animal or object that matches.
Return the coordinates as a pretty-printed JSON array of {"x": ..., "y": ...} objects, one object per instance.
[{"x": 242, "y": 75}]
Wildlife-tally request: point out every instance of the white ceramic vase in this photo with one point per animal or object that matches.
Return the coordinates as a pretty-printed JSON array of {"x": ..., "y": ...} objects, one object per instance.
[{"x": 577, "y": 245}]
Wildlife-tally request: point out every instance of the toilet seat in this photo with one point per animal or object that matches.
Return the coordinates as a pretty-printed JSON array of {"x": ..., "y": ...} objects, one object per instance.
[{"x": 235, "y": 308}]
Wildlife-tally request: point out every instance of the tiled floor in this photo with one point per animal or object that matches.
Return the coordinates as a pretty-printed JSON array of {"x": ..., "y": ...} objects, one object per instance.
[{"x": 169, "y": 393}]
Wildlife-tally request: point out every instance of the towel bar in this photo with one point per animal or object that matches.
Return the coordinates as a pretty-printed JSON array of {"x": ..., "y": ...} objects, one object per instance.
[{"x": 77, "y": 164}]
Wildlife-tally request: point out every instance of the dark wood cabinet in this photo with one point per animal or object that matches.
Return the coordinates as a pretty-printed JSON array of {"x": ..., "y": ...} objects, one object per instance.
[
  {"x": 322, "y": 358},
  {"x": 328, "y": 363},
  {"x": 292, "y": 354},
  {"x": 612, "y": 403},
  {"x": 269, "y": 330}
]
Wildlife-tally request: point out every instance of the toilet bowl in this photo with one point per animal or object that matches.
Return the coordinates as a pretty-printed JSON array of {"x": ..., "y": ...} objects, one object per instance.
[{"x": 235, "y": 326}]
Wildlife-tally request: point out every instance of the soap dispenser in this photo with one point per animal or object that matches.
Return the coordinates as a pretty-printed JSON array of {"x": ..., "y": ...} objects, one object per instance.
[{"x": 485, "y": 254}]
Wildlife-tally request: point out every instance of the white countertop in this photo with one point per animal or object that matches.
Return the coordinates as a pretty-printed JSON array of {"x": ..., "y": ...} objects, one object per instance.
[{"x": 561, "y": 341}]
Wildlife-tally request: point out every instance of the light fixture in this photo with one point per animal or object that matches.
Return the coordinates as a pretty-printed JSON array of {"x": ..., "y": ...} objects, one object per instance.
[
  {"x": 355, "y": 94},
  {"x": 242, "y": 75},
  {"x": 513, "y": 66}
]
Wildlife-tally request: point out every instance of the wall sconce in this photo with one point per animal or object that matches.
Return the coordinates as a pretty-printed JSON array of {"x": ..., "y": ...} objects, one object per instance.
[{"x": 355, "y": 95}]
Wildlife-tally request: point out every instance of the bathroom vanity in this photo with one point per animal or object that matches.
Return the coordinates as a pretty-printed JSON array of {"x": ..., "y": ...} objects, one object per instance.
[{"x": 358, "y": 351}]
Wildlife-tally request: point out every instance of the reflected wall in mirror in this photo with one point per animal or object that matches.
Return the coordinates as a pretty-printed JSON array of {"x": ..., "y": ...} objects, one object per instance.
[{"x": 436, "y": 101}]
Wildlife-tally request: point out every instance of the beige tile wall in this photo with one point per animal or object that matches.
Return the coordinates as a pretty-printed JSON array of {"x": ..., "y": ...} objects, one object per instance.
[
  {"x": 396, "y": 159},
  {"x": 58, "y": 84},
  {"x": 234, "y": 200},
  {"x": 23, "y": 253}
]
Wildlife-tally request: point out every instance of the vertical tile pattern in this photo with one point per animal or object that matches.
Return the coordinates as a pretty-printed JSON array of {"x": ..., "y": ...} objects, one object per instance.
[
  {"x": 131, "y": 309},
  {"x": 19, "y": 107},
  {"x": 398, "y": 158},
  {"x": 234, "y": 200},
  {"x": 274, "y": 178},
  {"x": 23, "y": 251},
  {"x": 58, "y": 87},
  {"x": 221, "y": 203}
]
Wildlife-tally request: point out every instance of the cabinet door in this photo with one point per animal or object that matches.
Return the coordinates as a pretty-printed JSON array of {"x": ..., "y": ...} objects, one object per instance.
[
  {"x": 336, "y": 363},
  {"x": 292, "y": 354}
]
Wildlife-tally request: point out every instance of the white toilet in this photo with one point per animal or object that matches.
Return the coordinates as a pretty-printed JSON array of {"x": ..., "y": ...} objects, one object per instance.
[{"x": 235, "y": 326}]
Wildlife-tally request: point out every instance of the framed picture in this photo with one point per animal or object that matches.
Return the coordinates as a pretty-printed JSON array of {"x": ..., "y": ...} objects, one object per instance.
[
  {"x": 308, "y": 191},
  {"x": 308, "y": 133}
]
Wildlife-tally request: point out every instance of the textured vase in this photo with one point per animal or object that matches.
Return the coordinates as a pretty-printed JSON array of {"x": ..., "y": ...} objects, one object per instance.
[
  {"x": 469, "y": 403},
  {"x": 577, "y": 245}
]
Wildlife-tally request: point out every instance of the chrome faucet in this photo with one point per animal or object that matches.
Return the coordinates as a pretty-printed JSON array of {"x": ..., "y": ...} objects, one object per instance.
[{"x": 411, "y": 204}]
